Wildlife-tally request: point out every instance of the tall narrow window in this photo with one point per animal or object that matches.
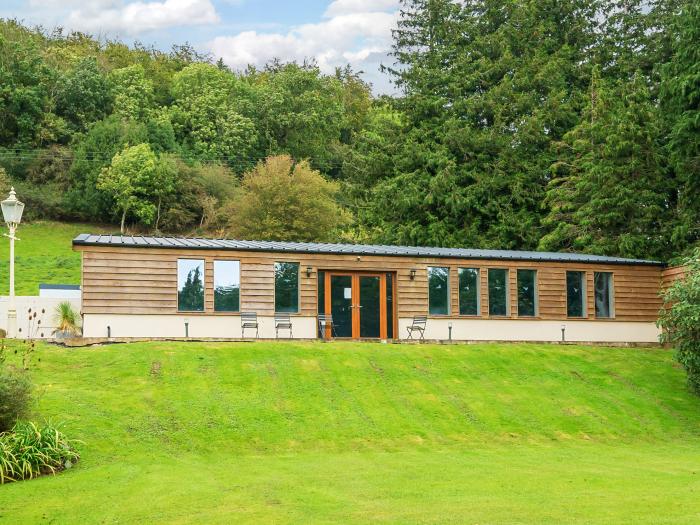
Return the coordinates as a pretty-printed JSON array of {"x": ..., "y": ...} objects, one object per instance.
[
  {"x": 287, "y": 287},
  {"x": 438, "y": 290},
  {"x": 190, "y": 285},
  {"x": 468, "y": 291},
  {"x": 227, "y": 286},
  {"x": 527, "y": 293},
  {"x": 576, "y": 294},
  {"x": 603, "y": 285},
  {"x": 390, "y": 305},
  {"x": 498, "y": 291}
]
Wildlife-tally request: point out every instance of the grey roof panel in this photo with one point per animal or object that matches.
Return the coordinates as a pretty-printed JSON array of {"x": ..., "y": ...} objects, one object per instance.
[{"x": 85, "y": 239}]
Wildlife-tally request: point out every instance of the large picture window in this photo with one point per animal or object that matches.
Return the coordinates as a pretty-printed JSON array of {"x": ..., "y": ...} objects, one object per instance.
[
  {"x": 603, "y": 285},
  {"x": 287, "y": 287},
  {"x": 498, "y": 291},
  {"x": 438, "y": 290},
  {"x": 527, "y": 293},
  {"x": 576, "y": 294},
  {"x": 468, "y": 291},
  {"x": 190, "y": 285},
  {"x": 227, "y": 286}
]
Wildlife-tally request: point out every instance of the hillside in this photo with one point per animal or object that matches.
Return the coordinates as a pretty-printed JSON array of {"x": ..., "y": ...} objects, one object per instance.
[
  {"x": 358, "y": 433},
  {"x": 43, "y": 255}
]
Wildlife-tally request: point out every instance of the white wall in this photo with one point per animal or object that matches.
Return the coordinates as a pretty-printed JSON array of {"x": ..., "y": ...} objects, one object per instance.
[
  {"x": 200, "y": 326},
  {"x": 44, "y": 307},
  {"x": 227, "y": 326},
  {"x": 531, "y": 330}
]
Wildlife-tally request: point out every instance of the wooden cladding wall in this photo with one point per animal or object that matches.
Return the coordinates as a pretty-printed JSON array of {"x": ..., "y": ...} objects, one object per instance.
[
  {"x": 144, "y": 281},
  {"x": 671, "y": 275}
]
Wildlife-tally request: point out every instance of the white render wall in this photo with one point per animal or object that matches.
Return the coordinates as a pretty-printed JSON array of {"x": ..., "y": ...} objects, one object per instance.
[
  {"x": 229, "y": 327},
  {"x": 536, "y": 330},
  {"x": 33, "y": 329},
  {"x": 200, "y": 326}
]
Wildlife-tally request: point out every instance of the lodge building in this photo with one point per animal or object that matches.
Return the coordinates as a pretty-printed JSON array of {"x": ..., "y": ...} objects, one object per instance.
[{"x": 135, "y": 286}]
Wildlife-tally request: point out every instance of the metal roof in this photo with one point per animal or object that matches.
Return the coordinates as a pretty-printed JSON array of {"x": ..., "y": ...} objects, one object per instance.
[{"x": 137, "y": 241}]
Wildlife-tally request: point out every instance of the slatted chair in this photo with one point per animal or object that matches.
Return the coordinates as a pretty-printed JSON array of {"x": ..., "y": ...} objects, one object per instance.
[
  {"x": 283, "y": 322},
  {"x": 249, "y": 320},
  {"x": 418, "y": 325},
  {"x": 326, "y": 321}
]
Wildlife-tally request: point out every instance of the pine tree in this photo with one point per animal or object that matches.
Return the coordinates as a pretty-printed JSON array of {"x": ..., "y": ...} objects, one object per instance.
[{"x": 608, "y": 194}]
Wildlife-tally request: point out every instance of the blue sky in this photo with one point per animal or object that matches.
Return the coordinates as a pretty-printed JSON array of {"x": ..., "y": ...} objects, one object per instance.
[{"x": 334, "y": 32}]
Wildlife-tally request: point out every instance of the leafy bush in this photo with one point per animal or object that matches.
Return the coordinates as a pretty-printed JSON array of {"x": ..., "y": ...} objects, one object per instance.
[
  {"x": 15, "y": 396},
  {"x": 680, "y": 320},
  {"x": 29, "y": 451}
]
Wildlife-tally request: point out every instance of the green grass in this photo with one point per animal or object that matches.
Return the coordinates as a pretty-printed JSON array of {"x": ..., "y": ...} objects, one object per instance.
[
  {"x": 365, "y": 433},
  {"x": 43, "y": 255}
]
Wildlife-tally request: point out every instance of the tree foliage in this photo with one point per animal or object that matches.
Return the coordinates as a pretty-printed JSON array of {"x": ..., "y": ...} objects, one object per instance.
[
  {"x": 680, "y": 319},
  {"x": 283, "y": 201}
]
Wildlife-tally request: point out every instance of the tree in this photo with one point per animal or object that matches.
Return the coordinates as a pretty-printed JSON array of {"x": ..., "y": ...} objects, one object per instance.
[
  {"x": 608, "y": 193},
  {"x": 680, "y": 319},
  {"x": 281, "y": 200},
  {"x": 83, "y": 94},
  {"x": 681, "y": 105},
  {"x": 130, "y": 180},
  {"x": 133, "y": 92}
]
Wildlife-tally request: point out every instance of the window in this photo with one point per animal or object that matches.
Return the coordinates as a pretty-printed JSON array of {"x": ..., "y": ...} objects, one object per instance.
[
  {"x": 287, "y": 287},
  {"x": 576, "y": 294},
  {"x": 438, "y": 290},
  {"x": 527, "y": 293},
  {"x": 498, "y": 291},
  {"x": 468, "y": 291},
  {"x": 603, "y": 286},
  {"x": 390, "y": 305},
  {"x": 227, "y": 286},
  {"x": 190, "y": 285}
]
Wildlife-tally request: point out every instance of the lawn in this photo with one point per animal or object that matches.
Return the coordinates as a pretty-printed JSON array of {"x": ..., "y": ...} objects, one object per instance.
[
  {"x": 43, "y": 255},
  {"x": 365, "y": 433}
]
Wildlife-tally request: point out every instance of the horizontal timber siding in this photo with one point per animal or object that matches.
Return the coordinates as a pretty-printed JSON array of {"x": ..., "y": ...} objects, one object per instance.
[{"x": 144, "y": 281}]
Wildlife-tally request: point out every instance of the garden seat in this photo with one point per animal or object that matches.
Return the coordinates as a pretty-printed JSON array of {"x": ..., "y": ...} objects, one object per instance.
[
  {"x": 418, "y": 325},
  {"x": 249, "y": 320},
  {"x": 283, "y": 322},
  {"x": 326, "y": 321}
]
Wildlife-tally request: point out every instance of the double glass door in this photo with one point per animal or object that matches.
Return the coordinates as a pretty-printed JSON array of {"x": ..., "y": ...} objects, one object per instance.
[{"x": 361, "y": 304}]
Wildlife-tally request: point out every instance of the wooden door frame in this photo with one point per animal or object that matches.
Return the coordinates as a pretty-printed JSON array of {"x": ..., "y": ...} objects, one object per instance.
[{"x": 355, "y": 276}]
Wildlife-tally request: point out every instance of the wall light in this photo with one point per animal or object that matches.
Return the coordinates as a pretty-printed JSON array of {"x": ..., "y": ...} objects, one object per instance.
[
  {"x": 308, "y": 271},
  {"x": 413, "y": 273}
]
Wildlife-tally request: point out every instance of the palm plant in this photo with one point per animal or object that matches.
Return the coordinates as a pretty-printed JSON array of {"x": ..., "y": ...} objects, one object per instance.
[{"x": 66, "y": 319}]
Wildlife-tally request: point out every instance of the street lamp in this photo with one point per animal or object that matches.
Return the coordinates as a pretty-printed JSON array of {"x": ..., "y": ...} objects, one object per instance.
[{"x": 12, "y": 213}]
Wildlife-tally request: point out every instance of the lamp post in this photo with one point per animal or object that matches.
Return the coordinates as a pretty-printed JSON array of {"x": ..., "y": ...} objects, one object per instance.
[{"x": 12, "y": 213}]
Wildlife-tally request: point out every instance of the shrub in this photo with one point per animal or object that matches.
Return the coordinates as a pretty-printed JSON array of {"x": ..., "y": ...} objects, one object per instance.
[
  {"x": 29, "y": 451},
  {"x": 66, "y": 319},
  {"x": 15, "y": 396},
  {"x": 680, "y": 320}
]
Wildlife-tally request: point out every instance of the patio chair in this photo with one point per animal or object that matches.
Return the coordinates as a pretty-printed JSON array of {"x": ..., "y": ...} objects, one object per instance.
[
  {"x": 418, "y": 325},
  {"x": 249, "y": 320},
  {"x": 283, "y": 322},
  {"x": 326, "y": 321}
]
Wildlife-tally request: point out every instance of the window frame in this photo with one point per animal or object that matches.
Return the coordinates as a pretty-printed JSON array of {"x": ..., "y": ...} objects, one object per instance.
[
  {"x": 213, "y": 269},
  {"x": 478, "y": 291},
  {"x": 447, "y": 291},
  {"x": 611, "y": 294},
  {"x": 204, "y": 285},
  {"x": 584, "y": 294},
  {"x": 274, "y": 288},
  {"x": 536, "y": 299},
  {"x": 507, "y": 292}
]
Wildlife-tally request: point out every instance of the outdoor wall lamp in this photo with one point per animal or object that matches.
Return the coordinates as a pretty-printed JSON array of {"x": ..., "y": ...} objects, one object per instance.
[
  {"x": 308, "y": 271},
  {"x": 413, "y": 273},
  {"x": 449, "y": 329}
]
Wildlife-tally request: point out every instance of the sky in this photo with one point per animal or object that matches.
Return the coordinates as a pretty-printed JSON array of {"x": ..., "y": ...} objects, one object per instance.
[{"x": 242, "y": 32}]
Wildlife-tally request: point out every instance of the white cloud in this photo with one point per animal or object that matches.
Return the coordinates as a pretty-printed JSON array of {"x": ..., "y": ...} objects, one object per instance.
[
  {"x": 344, "y": 7},
  {"x": 355, "y": 32},
  {"x": 133, "y": 18}
]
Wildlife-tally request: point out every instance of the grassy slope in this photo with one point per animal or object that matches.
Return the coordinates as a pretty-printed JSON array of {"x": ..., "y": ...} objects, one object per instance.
[
  {"x": 43, "y": 255},
  {"x": 358, "y": 433}
]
